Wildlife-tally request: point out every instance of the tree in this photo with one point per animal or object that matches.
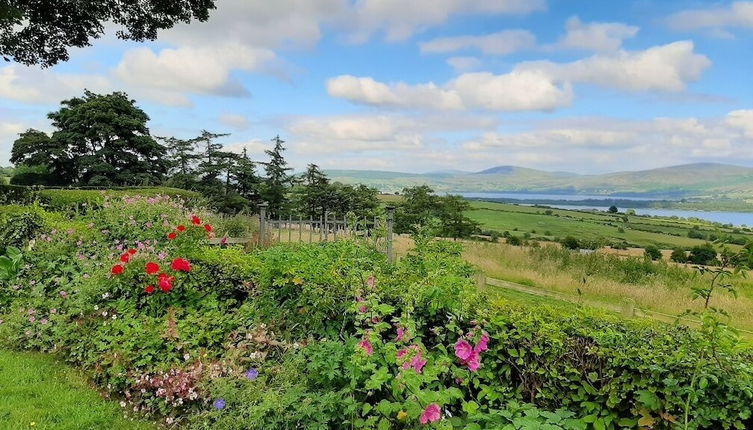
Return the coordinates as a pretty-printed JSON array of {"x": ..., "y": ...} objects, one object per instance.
[
  {"x": 570, "y": 242},
  {"x": 317, "y": 194},
  {"x": 182, "y": 155},
  {"x": 453, "y": 221},
  {"x": 420, "y": 206},
  {"x": 247, "y": 181},
  {"x": 212, "y": 156},
  {"x": 35, "y": 148},
  {"x": 277, "y": 179},
  {"x": 613, "y": 209},
  {"x": 652, "y": 252},
  {"x": 99, "y": 140},
  {"x": 41, "y": 32}
]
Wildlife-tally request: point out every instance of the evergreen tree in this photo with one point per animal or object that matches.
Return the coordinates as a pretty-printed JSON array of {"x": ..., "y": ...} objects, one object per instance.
[
  {"x": 317, "y": 193},
  {"x": 247, "y": 181},
  {"x": 211, "y": 164},
  {"x": 277, "y": 178},
  {"x": 182, "y": 155}
]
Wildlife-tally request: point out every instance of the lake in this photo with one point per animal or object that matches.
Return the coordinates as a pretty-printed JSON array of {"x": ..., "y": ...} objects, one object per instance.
[{"x": 560, "y": 201}]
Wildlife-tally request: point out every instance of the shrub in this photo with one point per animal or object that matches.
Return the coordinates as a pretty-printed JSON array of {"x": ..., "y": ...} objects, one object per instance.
[
  {"x": 679, "y": 255},
  {"x": 18, "y": 230},
  {"x": 514, "y": 241},
  {"x": 702, "y": 254},
  {"x": 652, "y": 252},
  {"x": 570, "y": 242}
]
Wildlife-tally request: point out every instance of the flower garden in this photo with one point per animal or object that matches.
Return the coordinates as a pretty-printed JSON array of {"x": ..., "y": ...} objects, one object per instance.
[{"x": 332, "y": 336}]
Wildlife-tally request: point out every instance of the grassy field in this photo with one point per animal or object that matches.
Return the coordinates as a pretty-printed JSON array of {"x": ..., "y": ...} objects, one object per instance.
[
  {"x": 38, "y": 393},
  {"x": 595, "y": 226}
]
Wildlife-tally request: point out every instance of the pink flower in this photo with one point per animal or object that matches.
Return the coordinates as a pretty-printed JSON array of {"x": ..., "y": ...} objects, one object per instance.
[
  {"x": 418, "y": 363},
  {"x": 402, "y": 353},
  {"x": 362, "y": 309},
  {"x": 463, "y": 350},
  {"x": 366, "y": 346},
  {"x": 474, "y": 361},
  {"x": 400, "y": 334},
  {"x": 483, "y": 344},
  {"x": 371, "y": 282},
  {"x": 431, "y": 414}
]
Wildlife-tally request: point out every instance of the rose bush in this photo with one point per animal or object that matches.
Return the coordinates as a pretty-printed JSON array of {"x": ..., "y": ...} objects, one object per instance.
[{"x": 330, "y": 336}]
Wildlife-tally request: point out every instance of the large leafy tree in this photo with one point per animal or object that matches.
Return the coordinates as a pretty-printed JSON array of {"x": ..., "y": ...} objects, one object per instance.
[
  {"x": 420, "y": 205},
  {"x": 41, "y": 32},
  {"x": 99, "y": 140}
]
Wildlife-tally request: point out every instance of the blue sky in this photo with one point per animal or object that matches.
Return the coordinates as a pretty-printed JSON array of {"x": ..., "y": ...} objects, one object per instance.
[{"x": 426, "y": 85}]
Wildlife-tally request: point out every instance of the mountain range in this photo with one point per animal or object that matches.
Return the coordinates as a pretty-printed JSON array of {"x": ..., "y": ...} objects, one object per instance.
[{"x": 688, "y": 180}]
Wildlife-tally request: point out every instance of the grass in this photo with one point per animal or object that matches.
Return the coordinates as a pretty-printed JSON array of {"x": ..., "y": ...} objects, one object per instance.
[
  {"x": 38, "y": 393},
  {"x": 594, "y": 226}
]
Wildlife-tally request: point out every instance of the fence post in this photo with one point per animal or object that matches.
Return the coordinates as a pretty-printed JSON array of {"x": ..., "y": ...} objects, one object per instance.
[
  {"x": 628, "y": 308},
  {"x": 262, "y": 221},
  {"x": 326, "y": 226},
  {"x": 390, "y": 223}
]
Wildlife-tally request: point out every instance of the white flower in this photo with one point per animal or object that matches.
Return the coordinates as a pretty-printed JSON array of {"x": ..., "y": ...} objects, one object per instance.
[{"x": 122, "y": 404}]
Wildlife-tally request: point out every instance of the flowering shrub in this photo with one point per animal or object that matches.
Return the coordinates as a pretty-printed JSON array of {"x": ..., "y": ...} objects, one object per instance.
[{"x": 330, "y": 336}]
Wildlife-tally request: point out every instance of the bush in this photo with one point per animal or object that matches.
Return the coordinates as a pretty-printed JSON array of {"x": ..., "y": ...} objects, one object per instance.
[
  {"x": 514, "y": 241},
  {"x": 570, "y": 242},
  {"x": 702, "y": 254},
  {"x": 679, "y": 255},
  {"x": 18, "y": 230},
  {"x": 652, "y": 252}
]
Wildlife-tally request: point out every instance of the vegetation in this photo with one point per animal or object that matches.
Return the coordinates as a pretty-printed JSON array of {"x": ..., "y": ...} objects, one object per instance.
[
  {"x": 38, "y": 393},
  {"x": 332, "y": 336},
  {"x": 421, "y": 207},
  {"x": 41, "y": 33}
]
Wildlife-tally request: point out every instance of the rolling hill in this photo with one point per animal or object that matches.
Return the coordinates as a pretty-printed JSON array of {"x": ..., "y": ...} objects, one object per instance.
[{"x": 689, "y": 180}]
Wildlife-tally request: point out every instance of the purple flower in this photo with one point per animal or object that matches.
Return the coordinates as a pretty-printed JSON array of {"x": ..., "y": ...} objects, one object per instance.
[
  {"x": 252, "y": 374},
  {"x": 219, "y": 404}
]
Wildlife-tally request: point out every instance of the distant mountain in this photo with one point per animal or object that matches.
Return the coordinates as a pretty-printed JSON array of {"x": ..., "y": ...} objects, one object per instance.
[{"x": 689, "y": 180}]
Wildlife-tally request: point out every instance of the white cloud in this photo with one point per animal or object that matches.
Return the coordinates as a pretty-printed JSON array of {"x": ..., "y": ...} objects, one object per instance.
[
  {"x": 736, "y": 15},
  {"x": 518, "y": 90},
  {"x": 464, "y": 64},
  {"x": 254, "y": 147},
  {"x": 742, "y": 120},
  {"x": 400, "y": 19},
  {"x": 595, "y": 36},
  {"x": 357, "y": 133},
  {"x": 44, "y": 86},
  {"x": 500, "y": 43},
  {"x": 668, "y": 67},
  {"x": 8, "y": 134},
  {"x": 237, "y": 122}
]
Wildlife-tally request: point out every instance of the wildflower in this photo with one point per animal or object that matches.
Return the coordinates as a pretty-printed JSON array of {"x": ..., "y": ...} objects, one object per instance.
[
  {"x": 463, "y": 350},
  {"x": 362, "y": 309},
  {"x": 208, "y": 228},
  {"x": 474, "y": 361},
  {"x": 431, "y": 414},
  {"x": 149, "y": 289},
  {"x": 402, "y": 415},
  {"x": 53, "y": 311},
  {"x": 161, "y": 256},
  {"x": 117, "y": 269},
  {"x": 371, "y": 282},
  {"x": 131, "y": 251},
  {"x": 181, "y": 265},
  {"x": 195, "y": 220},
  {"x": 223, "y": 241},
  {"x": 63, "y": 294},
  {"x": 219, "y": 404},
  {"x": 171, "y": 236},
  {"x": 125, "y": 258},
  {"x": 152, "y": 268},
  {"x": 181, "y": 228},
  {"x": 366, "y": 346},
  {"x": 418, "y": 363},
  {"x": 400, "y": 334},
  {"x": 251, "y": 374},
  {"x": 483, "y": 344}
]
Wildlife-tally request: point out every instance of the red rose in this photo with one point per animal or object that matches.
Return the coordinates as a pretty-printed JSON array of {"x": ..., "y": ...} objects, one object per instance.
[
  {"x": 117, "y": 269},
  {"x": 152, "y": 268},
  {"x": 181, "y": 228},
  {"x": 196, "y": 220},
  {"x": 165, "y": 283},
  {"x": 181, "y": 265},
  {"x": 208, "y": 227},
  {"x": 149, "y": 289},
  {"x": 125, "y": 257},
  {"x": 131, "y": 251},
  {"x": 171, "y": 236}
]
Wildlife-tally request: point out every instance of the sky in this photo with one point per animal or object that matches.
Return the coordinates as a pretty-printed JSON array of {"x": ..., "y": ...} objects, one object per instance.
[{"x": 429, "y": 85}]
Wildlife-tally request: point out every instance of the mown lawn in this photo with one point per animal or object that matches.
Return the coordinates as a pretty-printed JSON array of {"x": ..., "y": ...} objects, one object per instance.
[{"x": 38, "y": 393}]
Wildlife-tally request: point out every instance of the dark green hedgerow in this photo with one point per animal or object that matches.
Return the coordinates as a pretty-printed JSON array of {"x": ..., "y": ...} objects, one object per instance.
[{"x": 330, "y": 336}]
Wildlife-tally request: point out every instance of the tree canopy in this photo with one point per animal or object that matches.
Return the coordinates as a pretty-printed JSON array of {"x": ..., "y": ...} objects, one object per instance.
[
  {"x": 98, "y": 140},
  {"x": 420, "y": 206},
  {"x": 41, "y": 32}
]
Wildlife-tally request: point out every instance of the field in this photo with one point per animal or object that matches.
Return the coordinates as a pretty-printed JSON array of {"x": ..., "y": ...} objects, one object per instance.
[{"x": 596, "y": 226}]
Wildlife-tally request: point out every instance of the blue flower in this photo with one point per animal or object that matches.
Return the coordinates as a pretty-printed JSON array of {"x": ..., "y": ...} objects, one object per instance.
[
  {"x": 219, "y": 404},
  {"x": 252, "y": 374}
]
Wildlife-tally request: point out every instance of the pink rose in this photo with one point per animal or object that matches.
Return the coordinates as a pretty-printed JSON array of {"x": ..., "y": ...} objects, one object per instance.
[
  {"x": 431, "y": 414},
  {"x": 463, "y": 350},
  {"x": 366, "y": 346}
]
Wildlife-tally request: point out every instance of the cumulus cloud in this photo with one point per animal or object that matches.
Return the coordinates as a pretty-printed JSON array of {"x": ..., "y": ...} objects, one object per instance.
[
  {"x": 515, "y": 91},
  {"x": 44, "y": 86},
  {"x": 595, "y": 36},
  {"x": 736, "y": 15},
  {"x": 500, "y": 43},
  {"x": 8, "y": 134},
  {"x": 464, "y": 64},
  {"x": 237, "y": 122},
  {"x": 742, "y": 120},
  {"x": 358, "y": 133}
]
